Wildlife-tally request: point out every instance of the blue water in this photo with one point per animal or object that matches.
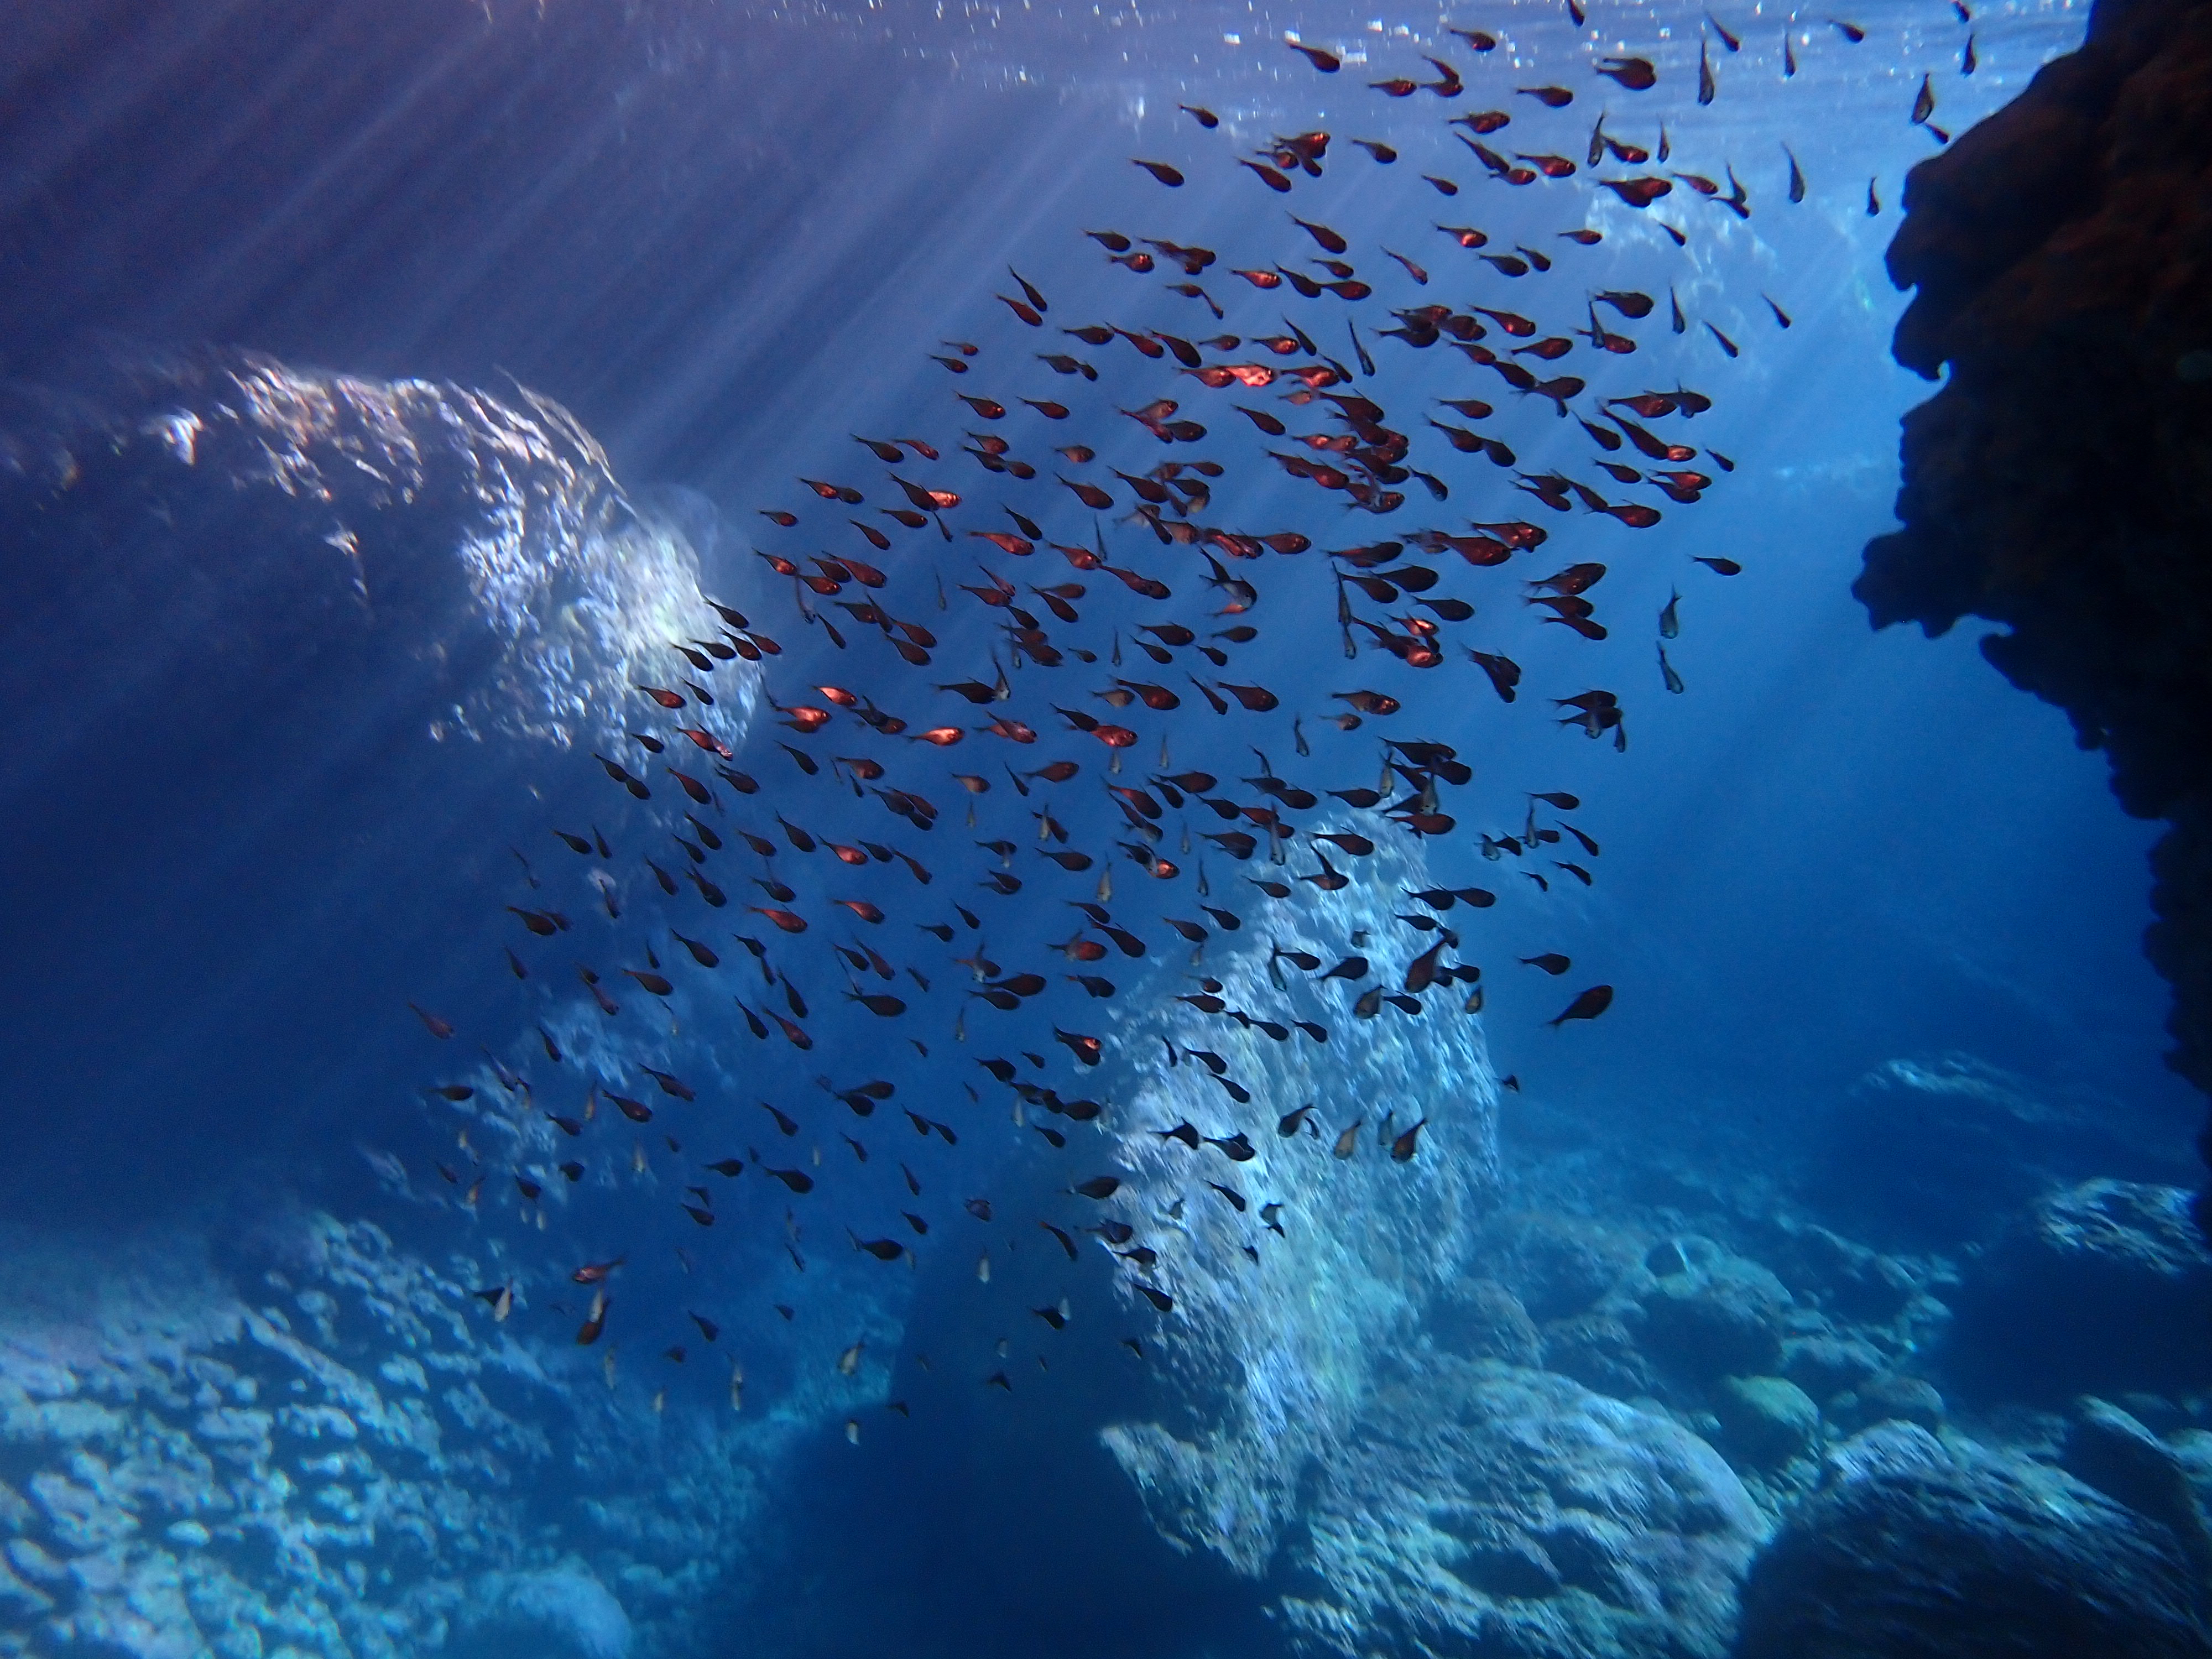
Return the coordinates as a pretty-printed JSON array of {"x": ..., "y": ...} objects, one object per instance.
[{"x": 590, "y": 290}]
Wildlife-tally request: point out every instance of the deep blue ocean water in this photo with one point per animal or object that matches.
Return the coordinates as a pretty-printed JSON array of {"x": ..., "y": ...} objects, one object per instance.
[{"x": 386, "y": 385}]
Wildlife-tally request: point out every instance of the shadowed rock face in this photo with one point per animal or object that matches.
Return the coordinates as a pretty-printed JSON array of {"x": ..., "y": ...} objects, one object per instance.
[
  {"x": 2105, "y": 1284},
  {"x": 1919, "y": 1546},
  {"x": 2061, "y": 483}
]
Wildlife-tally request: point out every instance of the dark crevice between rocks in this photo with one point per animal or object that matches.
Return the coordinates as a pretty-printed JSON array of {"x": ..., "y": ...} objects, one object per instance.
[{"x": 2061, "y": 481}]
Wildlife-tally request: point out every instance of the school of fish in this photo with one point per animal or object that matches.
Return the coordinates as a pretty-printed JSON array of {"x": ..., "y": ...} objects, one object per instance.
[{"x": 1111, "y": 602}]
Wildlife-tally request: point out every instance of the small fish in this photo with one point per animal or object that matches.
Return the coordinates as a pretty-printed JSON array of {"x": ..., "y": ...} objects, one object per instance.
[
  {"x": 1924, "y": 101},
  {"x": 1347, "y": 1143},
  {"x": 594, "y": 1323},
  {"x": 437, "y": 1028},
  {"x": 1588, "y": 1006}
]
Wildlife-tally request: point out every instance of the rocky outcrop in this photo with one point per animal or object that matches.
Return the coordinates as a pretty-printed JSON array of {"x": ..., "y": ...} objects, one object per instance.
[
  {"x": 467, "y": 553},
  {"x": 1286, "y": 1300},
  {"x": 1938, "y": 1153},
  {"x": 2061, "y": 483},
  {"x": 1482, "y": 1507},
  {"x": 361, "y": 617},
  {"x": 2102, "y": 1287},
  {"x": 1918, "y": 1547}
]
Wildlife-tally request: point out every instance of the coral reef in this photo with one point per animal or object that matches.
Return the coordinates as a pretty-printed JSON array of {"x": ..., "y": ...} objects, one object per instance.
[{"x": 2061, "y": 483}]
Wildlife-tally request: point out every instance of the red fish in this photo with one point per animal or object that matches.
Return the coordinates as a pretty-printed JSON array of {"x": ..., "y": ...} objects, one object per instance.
[
  {"x": 1636, "y": 74},
  {"x": 1638, "y": 193}
]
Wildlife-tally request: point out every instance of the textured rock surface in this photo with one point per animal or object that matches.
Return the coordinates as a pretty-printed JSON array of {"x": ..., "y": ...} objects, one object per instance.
[
  {"x": 1767, "y": 1420},
  {"x": 1274, "y": 1353},
  {"x": 2061, "y": 483},
  {"x": 1482, "y": 1507},
  {"x": 2107, "y": 1449},
  {"x": 474, "y": 549},
  {"x": 1921, "y": 1548},
  {"x": 350, "y": 1459},
  {"x": 2105, "y": 1286}
]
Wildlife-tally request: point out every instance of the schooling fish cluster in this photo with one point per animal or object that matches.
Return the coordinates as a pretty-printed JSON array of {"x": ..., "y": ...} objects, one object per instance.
[{"x": 1325, "y": 423}]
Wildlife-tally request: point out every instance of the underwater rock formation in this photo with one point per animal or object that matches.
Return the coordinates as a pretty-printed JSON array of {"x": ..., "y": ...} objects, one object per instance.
[
  {"x": 281, "y": 525},
  {"x": 2058, "y": 482},
  {"x": 1918, "y": 1547},
  {"x": 2108, "y": 1448},
  {"x": 1276, "y": 1355},
  {"x": 343, "y": 627},
  {"x": 1476, "y": 1505},
  {"x": 2101, "y": 1287},
  {"x": 1939, "y": 1152},
  {"x": 351, "y": 1459}
]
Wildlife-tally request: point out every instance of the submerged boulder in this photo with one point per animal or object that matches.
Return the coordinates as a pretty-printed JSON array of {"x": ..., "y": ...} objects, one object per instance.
[
  {"x": 1482, "y": 1507},
  {"x": 1275, "y": 1353},
  {"x": 1827, "y": 1365},
  {"x": 1559, "y": 1265},
  {"x": 1480, "y": 1319},
  {"x": 2107, "y": 1449},
  {"x": 1917, "y": 1548},
  {"x": 1766, "y": 1420},
  {"x": 1892, "y": 1396},
  {"x": 1722, "y": 1315}
]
